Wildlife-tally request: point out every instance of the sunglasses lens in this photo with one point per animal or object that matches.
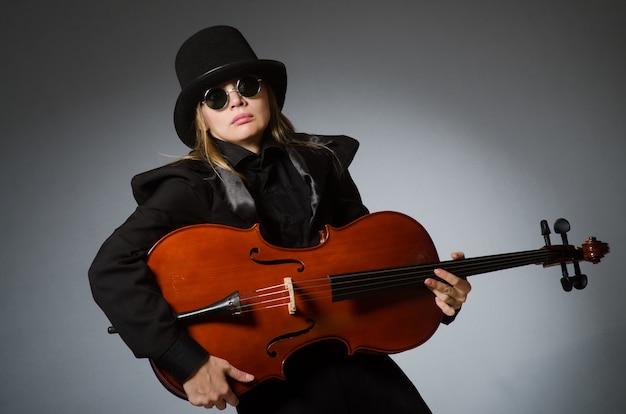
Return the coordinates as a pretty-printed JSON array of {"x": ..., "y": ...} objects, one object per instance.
[
  {"x": 215, "y": 98},
  {"x": 248, "y": 86}
]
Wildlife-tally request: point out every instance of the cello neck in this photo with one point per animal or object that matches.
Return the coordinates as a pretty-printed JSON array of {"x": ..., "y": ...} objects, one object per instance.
[{"x": 351, "y": 285}]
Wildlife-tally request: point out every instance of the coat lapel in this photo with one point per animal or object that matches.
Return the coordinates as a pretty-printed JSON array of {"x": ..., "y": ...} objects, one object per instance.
[
  {"x": 233, "y": 191},
  {"x": 315, "y": 165}
]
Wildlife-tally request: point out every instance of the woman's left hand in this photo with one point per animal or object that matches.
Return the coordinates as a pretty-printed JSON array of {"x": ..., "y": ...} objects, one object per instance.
[{"x": 449, "y": 296}]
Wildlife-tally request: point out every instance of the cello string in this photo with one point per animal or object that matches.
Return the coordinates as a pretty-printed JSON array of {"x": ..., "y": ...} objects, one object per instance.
[
  {"x": 399, "y": 278},
  {"x": 462, "y": 267},
  {"x": 352, "y": 284},
  {"x": 417, "y": 274}
]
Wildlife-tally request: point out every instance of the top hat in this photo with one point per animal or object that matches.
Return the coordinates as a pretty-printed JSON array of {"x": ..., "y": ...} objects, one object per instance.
[{"x": 212, "y": 56}]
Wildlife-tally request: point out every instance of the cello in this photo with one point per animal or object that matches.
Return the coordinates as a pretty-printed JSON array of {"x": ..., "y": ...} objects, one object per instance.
[{"x": 255, "y": 304}]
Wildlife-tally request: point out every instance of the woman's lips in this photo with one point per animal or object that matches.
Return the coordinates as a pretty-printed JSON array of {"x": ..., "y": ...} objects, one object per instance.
[{"x": 242, "y": 119}]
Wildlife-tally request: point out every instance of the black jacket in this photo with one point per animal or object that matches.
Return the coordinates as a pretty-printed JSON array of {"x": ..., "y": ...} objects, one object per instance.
[{"x": 190, "y": 192}]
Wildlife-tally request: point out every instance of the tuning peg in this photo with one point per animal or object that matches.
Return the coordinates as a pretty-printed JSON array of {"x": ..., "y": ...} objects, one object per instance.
[
  {"x": 566, "y": 283},
  {"x": 579, "y": 281},
  {"x": 561, "y": 226},
  {"x": 545, "y": 232},
  {"x": 566, "y": 280}
]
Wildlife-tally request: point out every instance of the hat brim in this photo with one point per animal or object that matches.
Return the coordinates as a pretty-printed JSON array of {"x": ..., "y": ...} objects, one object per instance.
[{"x": 271, "y": 71}]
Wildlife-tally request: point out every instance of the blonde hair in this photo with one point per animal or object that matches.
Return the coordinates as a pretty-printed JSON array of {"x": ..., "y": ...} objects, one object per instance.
[{"x": 279, "y": 126}]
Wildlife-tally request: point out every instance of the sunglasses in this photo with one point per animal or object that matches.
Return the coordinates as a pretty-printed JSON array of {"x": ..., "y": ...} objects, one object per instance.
[{"x": 217, "y": 98}]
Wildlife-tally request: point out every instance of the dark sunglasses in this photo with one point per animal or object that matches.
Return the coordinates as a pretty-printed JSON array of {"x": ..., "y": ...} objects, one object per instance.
[{"x": 217, "y": 98}]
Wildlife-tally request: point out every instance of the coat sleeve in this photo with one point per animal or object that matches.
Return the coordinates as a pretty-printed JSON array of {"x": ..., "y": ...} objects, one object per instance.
[
  {"x": 346, "y": 204},
  {"x": 345, "y": 200},
  {"x": 338, "y": 198},
  {"x": 125, "y": 288}
]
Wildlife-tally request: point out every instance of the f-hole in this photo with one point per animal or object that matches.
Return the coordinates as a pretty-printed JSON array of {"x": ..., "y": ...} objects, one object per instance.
[
  {"x": 255, "y": 250},
  {"x": 288, "y": 335}
]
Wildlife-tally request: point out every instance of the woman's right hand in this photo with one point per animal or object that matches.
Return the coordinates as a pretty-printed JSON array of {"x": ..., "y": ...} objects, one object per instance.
[{"x": 209, "y": 388}]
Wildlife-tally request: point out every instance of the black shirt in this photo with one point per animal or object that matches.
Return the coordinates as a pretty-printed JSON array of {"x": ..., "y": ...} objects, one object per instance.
[{"x": 280, "y": 193}]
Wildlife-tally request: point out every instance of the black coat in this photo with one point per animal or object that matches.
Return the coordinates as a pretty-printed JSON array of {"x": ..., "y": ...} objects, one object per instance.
[{"x": 190, "y": 192}]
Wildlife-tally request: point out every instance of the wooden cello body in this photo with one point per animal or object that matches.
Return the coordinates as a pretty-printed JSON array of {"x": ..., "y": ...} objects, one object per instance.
[{"x": 204, "y": 264}]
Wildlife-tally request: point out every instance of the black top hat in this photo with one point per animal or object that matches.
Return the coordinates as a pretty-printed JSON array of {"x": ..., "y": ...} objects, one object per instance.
[{"x": 212, "y": 56}]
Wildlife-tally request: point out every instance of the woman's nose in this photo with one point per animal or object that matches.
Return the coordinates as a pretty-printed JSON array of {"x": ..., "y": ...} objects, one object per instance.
[{"x": 234, "y": 99}]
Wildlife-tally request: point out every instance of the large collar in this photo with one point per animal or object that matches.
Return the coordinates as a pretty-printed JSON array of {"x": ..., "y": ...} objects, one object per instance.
[
  {"x": 236, "y": 154},
  {"x": 314, "y": 166}
]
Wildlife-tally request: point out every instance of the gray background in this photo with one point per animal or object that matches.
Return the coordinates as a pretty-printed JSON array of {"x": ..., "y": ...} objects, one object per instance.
[{"x": 477, "y": 118}]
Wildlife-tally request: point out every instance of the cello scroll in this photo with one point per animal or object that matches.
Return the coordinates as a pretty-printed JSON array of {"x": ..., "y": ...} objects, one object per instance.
[{"x": 592, "y": 250}]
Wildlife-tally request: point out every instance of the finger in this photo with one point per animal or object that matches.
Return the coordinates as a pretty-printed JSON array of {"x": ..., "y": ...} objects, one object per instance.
[
  {"x": 239, "y": 375},
  {"x": 445, "y": 308},
  {"x": 221, "y": 404},
  {"x": 452, "y": 279},
  {"x": 198, "y": 398},
  {"x": 437, "y": 286},
  {"x": 229, "y": 398},
  {"x": 447, "y": 294},
  {"x": 453, "y": 293},
  {"x": 457, "y": 255}
]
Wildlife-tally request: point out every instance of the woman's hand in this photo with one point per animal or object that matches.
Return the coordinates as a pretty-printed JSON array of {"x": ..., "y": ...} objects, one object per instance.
[
  {"x": 449, "y": 296},
  {"x": 209, "y": 388}
]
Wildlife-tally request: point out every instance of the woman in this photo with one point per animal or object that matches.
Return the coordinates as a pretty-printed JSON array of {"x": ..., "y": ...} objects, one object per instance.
[{"x": 246, "y": 166}]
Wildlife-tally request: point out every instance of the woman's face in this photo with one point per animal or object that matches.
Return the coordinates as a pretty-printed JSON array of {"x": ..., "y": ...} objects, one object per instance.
[{"x": 242, "y": 121}]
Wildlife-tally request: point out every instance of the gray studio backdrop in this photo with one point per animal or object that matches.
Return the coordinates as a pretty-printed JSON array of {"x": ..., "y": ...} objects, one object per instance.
[{"x": 478, "y": 118}]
